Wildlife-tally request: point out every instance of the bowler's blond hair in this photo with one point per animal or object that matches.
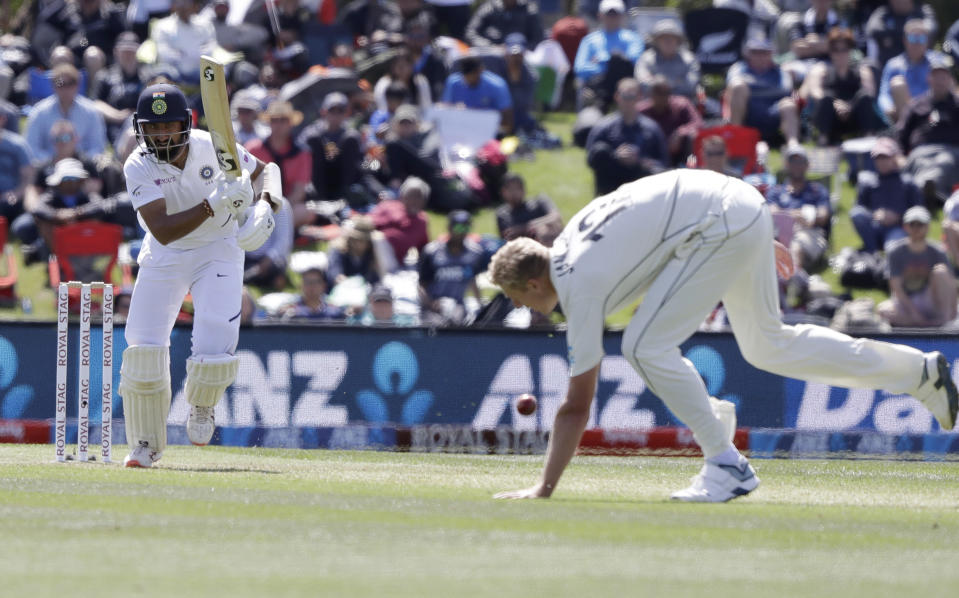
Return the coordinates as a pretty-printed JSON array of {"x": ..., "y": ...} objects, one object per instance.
[{"x": 517, "y": 262}]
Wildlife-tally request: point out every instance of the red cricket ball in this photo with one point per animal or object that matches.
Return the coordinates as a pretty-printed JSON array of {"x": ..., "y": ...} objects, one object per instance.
[{"x": 526, "y": 404}]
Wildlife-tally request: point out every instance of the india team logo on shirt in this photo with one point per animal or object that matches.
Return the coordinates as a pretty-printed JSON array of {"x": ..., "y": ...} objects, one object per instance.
[{"x": 206, "y": 172}]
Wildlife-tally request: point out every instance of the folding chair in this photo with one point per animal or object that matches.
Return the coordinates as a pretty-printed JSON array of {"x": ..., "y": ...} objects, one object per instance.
[
  {"x": 8, "y": 281},
  {"x": 86, "y": 251},
  {"x": 824, "y": 168},
  {"x": 740, "y": 146}
]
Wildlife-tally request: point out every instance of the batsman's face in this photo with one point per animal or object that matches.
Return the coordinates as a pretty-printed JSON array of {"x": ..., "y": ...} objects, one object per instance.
[{"x": 162, "y": 132}]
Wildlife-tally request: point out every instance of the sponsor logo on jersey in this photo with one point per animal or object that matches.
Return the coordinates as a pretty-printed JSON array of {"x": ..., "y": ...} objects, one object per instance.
[
  {"x": 206, "y": 172},
  {"x": 164, "y": 181}
]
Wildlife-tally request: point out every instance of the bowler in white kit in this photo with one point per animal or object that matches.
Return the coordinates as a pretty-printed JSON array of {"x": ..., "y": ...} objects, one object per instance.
[
  {"x": 198, "y": 225},
  {"x": 683, "y": 241}
]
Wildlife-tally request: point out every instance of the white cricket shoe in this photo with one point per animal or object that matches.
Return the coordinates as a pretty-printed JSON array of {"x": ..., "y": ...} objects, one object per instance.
[
  {"x": 142, "y": 456},
  {"x": 719, "y": 483},
  {"x": 937, "y": 391},
  {"x": 200, "y": 426}
]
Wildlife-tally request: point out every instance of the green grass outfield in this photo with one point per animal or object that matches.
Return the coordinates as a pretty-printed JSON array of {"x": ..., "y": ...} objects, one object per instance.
[{"x": 270, "y": 523}]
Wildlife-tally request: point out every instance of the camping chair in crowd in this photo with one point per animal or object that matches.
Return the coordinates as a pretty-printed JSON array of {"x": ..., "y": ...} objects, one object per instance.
[
  {"x": 740, "y": 147},
  {"x": 86, "y": 251},
  {"x": 8, "y": 280}
]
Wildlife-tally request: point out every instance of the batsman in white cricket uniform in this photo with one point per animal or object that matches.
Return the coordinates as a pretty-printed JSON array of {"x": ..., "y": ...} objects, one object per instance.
[
  {"x": 683, "y": 241},
  {"x": 193, "y": 244}
]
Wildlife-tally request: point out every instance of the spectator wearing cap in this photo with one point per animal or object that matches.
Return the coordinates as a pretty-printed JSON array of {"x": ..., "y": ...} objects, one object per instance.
[
  {"x": 448, "y": 269},
  {"x": 519, "y": 216},
  {"x": 64, "y": 203},
  {"x": 115, "y": 90},
  {"x": 380, "y": 310},
  {"x": 182, "y": 38},
  {"x": 882, "y": 197},
  {"x": 923, "y": 289},
  {"x": 265, "y": 267},
  {"x": 360, "y": 250},
  {"x": 807, "y": 203},
  {"x": 311, "y": 305},
  {"x": 929, "y": 132},
  {"x": 521, "y": 80},
  {"x": 402, "y": 221},
  {"x": 476, "y": 88},
  {"x": 65, "y": 103},
  {"x": 606, "y": 56},
  {"x": 412, "y": 149},
  {"x": 668, "y": 57},
  {"x": 884, "y": 29},
  {"x": 247, "y": 126},
  {"x": 841, "y": 93},
  {"x": 294, "y": 159},
  {"x": 401, "y": 72},
  {"x": 16, "y": 171},
  {"x": 494, "y": 20},
  {"x": 625, "y": 145},
  {"x": 337, "y": 153},
  {"x": 676, "y": 116},
  {"x": 906, "y": 75},
  {"x": 757, "y": 93}
]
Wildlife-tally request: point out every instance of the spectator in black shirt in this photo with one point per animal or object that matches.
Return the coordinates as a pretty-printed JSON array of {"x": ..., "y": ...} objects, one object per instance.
[
  {"x": 495, "y": 19},
  {"x": 625, "y": 145},
  {"x": 337, "y": 151},
  {"x": 427, "y": 58},
  {"x": 100, "y": 24},
  {"x": 929, "y": 132},
  {"x": 536, "y": 218},
  {"x": 116, "y": 89}
]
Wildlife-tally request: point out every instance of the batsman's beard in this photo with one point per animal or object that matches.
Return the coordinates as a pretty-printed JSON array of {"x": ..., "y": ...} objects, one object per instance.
[{"x": 168, "y": 150}]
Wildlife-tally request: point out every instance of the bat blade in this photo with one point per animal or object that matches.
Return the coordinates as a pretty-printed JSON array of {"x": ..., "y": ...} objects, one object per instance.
[{"x": 216, "y": 107}]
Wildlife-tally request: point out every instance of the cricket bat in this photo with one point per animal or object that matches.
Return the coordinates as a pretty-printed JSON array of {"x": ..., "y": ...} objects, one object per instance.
[{"x": 216, "y": 107}]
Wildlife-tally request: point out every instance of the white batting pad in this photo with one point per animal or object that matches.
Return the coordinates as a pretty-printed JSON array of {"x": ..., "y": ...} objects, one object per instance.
[
  {"x": 145, "y": 388},
  {"x": 207, "y": 376}
]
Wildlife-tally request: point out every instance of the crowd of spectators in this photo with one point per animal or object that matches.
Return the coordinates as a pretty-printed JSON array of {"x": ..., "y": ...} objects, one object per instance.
[{"x": 379, "y": 110}]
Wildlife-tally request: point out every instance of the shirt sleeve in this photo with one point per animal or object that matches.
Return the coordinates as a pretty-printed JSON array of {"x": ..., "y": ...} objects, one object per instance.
[
  {"x": 584, "y": 333},
  {"x": 142, "y": 190}
]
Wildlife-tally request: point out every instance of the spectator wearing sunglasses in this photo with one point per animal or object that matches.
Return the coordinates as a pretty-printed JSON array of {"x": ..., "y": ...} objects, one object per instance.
[
  {"x": 66, "y": 103},
  {"x": 906, "y": 76},
  {"x": 448, "y": 269},
  {"x": 885, "y": 26}
]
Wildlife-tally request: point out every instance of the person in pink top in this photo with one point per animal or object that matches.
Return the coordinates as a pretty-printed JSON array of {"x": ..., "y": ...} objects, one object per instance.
[{"x": 402, "y": 220}]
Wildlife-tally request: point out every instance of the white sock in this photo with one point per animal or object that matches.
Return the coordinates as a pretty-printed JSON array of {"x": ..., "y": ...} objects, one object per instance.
[{"x": 730, "y": 456}]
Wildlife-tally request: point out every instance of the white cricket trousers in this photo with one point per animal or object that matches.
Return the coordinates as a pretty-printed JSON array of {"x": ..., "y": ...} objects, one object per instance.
[
  {"x": 734, "y": 262},
  {"x": 212, "y": 274}
]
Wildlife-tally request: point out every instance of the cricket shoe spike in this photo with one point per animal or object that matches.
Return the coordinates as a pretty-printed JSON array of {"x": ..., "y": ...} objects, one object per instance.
[
  {"x": 720, "y": 483},
  {"x": 200, "y": 426},
  {"x": 937, "y": 391},
  {"x": 142, "y": 456}
]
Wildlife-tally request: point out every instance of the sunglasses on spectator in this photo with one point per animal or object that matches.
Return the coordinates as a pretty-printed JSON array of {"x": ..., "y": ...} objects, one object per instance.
[
  {"x": 716, "y": 153},
  {"x": 917, "y": 38},
  {"x": 66, "y": 82},
  {"x": 460, "y": 228},
  {"x": 840, "y": 48},
  {"x": 336, "y": 109},
  {"x": 64, "y": 138}
]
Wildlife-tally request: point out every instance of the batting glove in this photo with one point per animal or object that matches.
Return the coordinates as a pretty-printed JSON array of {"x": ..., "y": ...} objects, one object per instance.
[
  {"x": 258, "y": 227},
  {"x": 235, "y": 196}
]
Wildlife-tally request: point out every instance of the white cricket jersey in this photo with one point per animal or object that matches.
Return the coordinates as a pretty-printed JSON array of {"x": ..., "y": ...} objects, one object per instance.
[
  {"x": 611, "y": 251},
  {"x": 149, "y": 180}
]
